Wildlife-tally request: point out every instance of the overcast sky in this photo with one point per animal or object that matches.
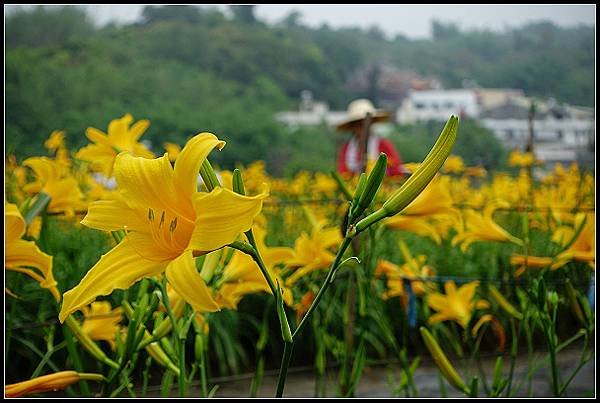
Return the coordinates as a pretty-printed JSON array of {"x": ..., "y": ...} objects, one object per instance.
[{"x": 413, "y": 21}]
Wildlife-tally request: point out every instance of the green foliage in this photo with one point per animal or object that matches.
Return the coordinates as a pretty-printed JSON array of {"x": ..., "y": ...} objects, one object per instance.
[
  {"x": 189, "y": 69},
  {"x": 47, "y": 26}
]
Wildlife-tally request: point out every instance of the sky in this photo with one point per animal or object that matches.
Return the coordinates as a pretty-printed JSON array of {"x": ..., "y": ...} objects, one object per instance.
[{"x": 412, "y": 21}]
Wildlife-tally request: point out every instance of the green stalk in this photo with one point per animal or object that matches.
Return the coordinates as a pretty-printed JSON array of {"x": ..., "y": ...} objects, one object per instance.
[
  {"x": 285, "y": 363},
  {"x": 324, "y": 287},
  {"x": 40, "y": 204}
]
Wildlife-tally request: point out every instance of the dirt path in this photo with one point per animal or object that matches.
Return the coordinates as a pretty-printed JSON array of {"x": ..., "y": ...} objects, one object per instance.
[{"x": 375, "y": 380}]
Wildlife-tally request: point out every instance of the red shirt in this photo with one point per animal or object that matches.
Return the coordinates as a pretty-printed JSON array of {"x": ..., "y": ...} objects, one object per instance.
[{"x": 394, "y": 163}]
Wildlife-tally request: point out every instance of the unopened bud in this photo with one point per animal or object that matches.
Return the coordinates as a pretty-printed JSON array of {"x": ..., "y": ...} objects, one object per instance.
[
  {"x": 410, "y": 189},
  {"x": 442, "y": 361}
]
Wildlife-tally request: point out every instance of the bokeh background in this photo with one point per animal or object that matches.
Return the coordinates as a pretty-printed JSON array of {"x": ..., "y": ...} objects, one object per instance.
[{"x": 237, "y": 70}]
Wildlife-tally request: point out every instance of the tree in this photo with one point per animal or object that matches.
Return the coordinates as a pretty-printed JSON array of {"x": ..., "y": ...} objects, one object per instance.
[{"x": 244, "y": 13}]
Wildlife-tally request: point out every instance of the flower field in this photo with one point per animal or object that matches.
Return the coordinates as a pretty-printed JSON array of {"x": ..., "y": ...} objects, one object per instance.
[{"x": 129, "y": 269}]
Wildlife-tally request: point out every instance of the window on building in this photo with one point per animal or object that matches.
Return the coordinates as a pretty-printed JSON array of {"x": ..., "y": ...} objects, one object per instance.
[{"x": 419, "y": 105}]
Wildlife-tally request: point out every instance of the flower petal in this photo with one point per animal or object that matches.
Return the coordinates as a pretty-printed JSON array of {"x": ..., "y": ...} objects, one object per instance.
[
  {"x": 221, "y": 216},
  {"x": 14, "y": 224},
  {"x": 185, "y": 279},
  {"x": 113, "y": 215},
  {"x": 148, "y": 183},
  {"x": 191, "y": 158},
  {"x": 130, "y": 261}
]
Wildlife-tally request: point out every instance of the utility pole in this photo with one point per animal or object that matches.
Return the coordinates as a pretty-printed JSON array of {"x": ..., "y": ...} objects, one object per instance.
[{"x": 530, "y": 140}]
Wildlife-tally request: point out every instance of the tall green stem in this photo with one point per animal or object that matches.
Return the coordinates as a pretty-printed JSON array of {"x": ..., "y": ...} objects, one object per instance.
[{"x": 285, "y": 363}]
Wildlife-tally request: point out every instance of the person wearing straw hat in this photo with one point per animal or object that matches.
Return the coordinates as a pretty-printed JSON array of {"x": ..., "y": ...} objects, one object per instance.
[{"x": 364, "y": 147}]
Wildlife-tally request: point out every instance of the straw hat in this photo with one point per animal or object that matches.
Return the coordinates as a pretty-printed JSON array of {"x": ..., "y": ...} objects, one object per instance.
[{"x": 358, "y": 110}]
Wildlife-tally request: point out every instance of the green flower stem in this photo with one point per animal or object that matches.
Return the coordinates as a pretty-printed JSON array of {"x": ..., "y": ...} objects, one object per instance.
[
  {"x": 40, "y": 204},
  {"x": 288, "y": 347},
  {"x": 324, "y": 287},
  {"x": 513, "y": 353},
  {"x": 176, "y": 329},
  {"x": 582, "y": 360},
  {"x": 74, "y": 356},
  {"x": 285, "y": 363},
  {"x": 88, "y": 343},
  {"x": 252, "y": 251}
]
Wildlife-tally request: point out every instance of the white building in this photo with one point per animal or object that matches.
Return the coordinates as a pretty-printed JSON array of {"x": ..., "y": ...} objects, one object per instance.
[
  {"x": 438, "y": 105},
  {"x": 562, "y": 133}
]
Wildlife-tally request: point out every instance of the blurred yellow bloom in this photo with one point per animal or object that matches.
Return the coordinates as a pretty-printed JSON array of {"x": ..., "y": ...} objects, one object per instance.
[
  {"x": 48, "y": 383},
  {"x": 477, "y": 172},
  {"x": 167, "y": 222},
  {"x": 121, "y": 137},
  {"x": 457, "y": 305},
  {"x": 482, "y": 227},
  {"x": 453, "y": 165},
  {"x": 324, "y": 184},
  {"x": 242, "y": 275},
  {"x": 413, "y": 269},
  {"x": 173, "y": 150},
  {"x": 583, "y": 247},
  {"x": 521, "y": 159},
  {"x": 101, "y": 322},
  {"x": 304, "y": 305},
  {"x": 534, "y": 262},
  {"x": 55, "y": 141},
  {"x": 434, "y": 202},
  {"x": 55, "y": 180},
  {"x": 24, "y": 256},
  {"x": 312, "y": 252}
]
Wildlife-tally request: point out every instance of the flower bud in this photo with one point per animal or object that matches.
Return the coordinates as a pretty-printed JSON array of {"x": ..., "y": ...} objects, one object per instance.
[
  {"x": 442, "y": 361},
  {"x": 372, "y": 185},
  {"x": 238, "y": 183},
  {"x": 51, "y": 382},
  {"x": 504, "y": 304},
  {"x": 286, "y": 333},
  {"x": 419, "y": 179}
]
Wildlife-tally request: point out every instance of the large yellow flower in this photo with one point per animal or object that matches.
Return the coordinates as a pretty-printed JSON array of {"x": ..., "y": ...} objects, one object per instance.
[
  {"x": 24, "y": 256},
  {"x": 121, "y": 137},
  {"x": 167, "y": 222},
  {"x": 457, "y": 305}
]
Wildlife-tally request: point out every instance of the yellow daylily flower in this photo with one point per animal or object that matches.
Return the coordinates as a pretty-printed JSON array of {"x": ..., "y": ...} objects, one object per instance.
[
  {"x": 395, "y": 274},
  {"x": 24, "y": 256},
  {"x": 54, "y": 179},
  {"x": 521, "y": 160},
  {"x": 482, "y": 227},
  {"x": 167, "y": 222},
  {"x": 121, "y": 137},
  {"x": 454, "y": 165},
  {"x": 304, "y": 305},
  {"x": 312, "y": 252},
  {"x": 583, "y": 248},
  {"x": 324, "y": 184},
  {"x": 55, "y": 141},
  {"x": 434, "y": 202},
  {"x": 242, "y": 275},
  {"x": 457, "y": 305},
  {"x": 47, "y": 383},
  {"x": 534, "y": 262},
  {"x": 173, "y": 150},
  {"x": 101, "y": 322}
]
